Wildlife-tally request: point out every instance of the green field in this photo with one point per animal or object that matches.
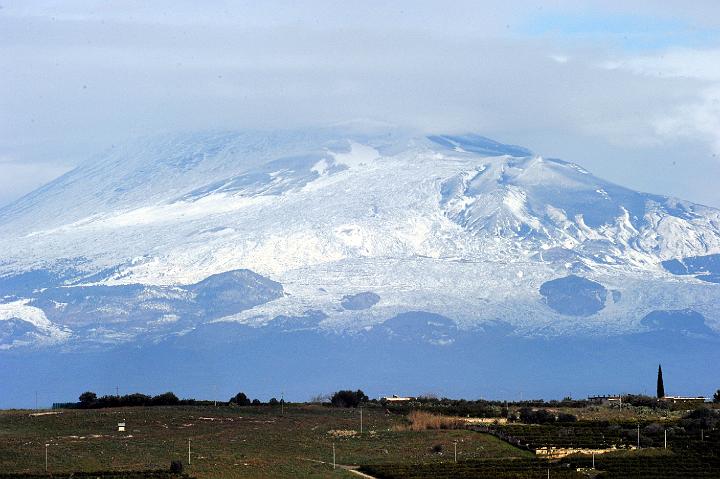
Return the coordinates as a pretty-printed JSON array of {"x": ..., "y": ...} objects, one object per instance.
[
  {"x": 259, "y": 441},
  {"x": 229, "y": 442}
]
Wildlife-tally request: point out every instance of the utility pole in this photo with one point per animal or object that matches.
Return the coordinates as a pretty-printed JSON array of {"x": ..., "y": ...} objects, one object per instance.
[
  {"x": 665, "y": 438},
  {"x": 638, "y": 437},
  {"x": 46, "y": 456},
  {"x": 333, "y": 444},
  {"x": 189, "y": 452},
  {"x": 361, "y": 421},
  {"x": 549, "y": 453},
  {"x": 455, "y": 444},
  {"x": 593, "y": 460},
  {"x": 282, "y": 403}
]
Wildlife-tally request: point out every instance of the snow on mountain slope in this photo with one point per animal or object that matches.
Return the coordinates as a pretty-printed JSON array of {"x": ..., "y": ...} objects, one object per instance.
[
  {"x": 461, "y": 226},
  {"x": 37, "y": 328}
]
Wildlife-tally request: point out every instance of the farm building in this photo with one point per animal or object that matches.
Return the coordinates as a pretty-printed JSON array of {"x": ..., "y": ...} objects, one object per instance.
[{"x": 396, "y": 399}]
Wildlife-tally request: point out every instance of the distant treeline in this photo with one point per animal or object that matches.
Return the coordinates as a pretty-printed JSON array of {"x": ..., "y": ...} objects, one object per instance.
[
  {"x": 491, "y": 408},
  {"x": 90, "y": 400},
  {"x": 348, "y": 398},
  {"x": 478, "y": 408}
]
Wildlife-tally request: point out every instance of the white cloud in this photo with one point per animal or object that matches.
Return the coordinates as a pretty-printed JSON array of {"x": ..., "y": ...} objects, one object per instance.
[
  {"x": 85, "y": 75},
  {"x": 18, "y": 178},
  {"x": 699, "y": 120},
  {"x": 694, "y": 113},
  {"x": 701, "y": 64}
]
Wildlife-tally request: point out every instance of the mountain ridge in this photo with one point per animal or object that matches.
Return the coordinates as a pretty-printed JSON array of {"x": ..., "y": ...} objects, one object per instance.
[{"x": 330, "y": 214}]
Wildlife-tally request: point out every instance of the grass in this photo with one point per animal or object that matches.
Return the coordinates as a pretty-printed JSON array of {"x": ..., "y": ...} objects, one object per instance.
[
  {"x": 229, "y": 442},
  {"x": 424, "y": 421}
]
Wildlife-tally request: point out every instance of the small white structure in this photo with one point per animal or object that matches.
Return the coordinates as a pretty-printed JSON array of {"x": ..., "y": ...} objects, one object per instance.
[
  {"x": 396, "y": 399},
  {"x": 121, "y": 426}
]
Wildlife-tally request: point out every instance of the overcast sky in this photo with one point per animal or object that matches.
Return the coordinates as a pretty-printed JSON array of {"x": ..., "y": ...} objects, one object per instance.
[{"x": 631, "y": 93}]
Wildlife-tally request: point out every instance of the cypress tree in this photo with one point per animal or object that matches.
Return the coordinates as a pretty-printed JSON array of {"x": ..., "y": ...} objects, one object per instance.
[{"x": 660, "y": 385}]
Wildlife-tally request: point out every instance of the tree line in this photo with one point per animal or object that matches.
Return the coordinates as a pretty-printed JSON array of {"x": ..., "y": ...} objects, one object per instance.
[
  {"x": 90, "y": 400},
  {"x": 349, "y": 398}
]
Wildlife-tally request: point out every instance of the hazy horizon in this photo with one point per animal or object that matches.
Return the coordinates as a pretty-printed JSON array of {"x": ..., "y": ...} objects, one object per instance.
[{"x": 629, "y": 92}]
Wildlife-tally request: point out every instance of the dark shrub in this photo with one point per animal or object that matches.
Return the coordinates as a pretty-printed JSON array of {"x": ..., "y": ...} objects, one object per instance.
[
  {"x": 165, "y": 399},
  {"x": 135, "y": 399},
  {"x": 176, "y": 467},
  {"x": 527, "y": 415},
  {"x": 348, "y": 398},
  {"x": 273, "y": 402},
  {"x": 640, "y": 400},
  {"x": 240, "y": 399},
  {"x": 702, "y": 418},
  {"x": 565, "y": 417},
  {"x": 87, "y": 398},
  {"x": 541, "y": 416},
  {"x": 653, "y": 429}
]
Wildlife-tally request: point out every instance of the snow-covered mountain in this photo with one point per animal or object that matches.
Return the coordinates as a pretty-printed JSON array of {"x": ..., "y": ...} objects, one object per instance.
[{"x": 340, "y": 230}]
